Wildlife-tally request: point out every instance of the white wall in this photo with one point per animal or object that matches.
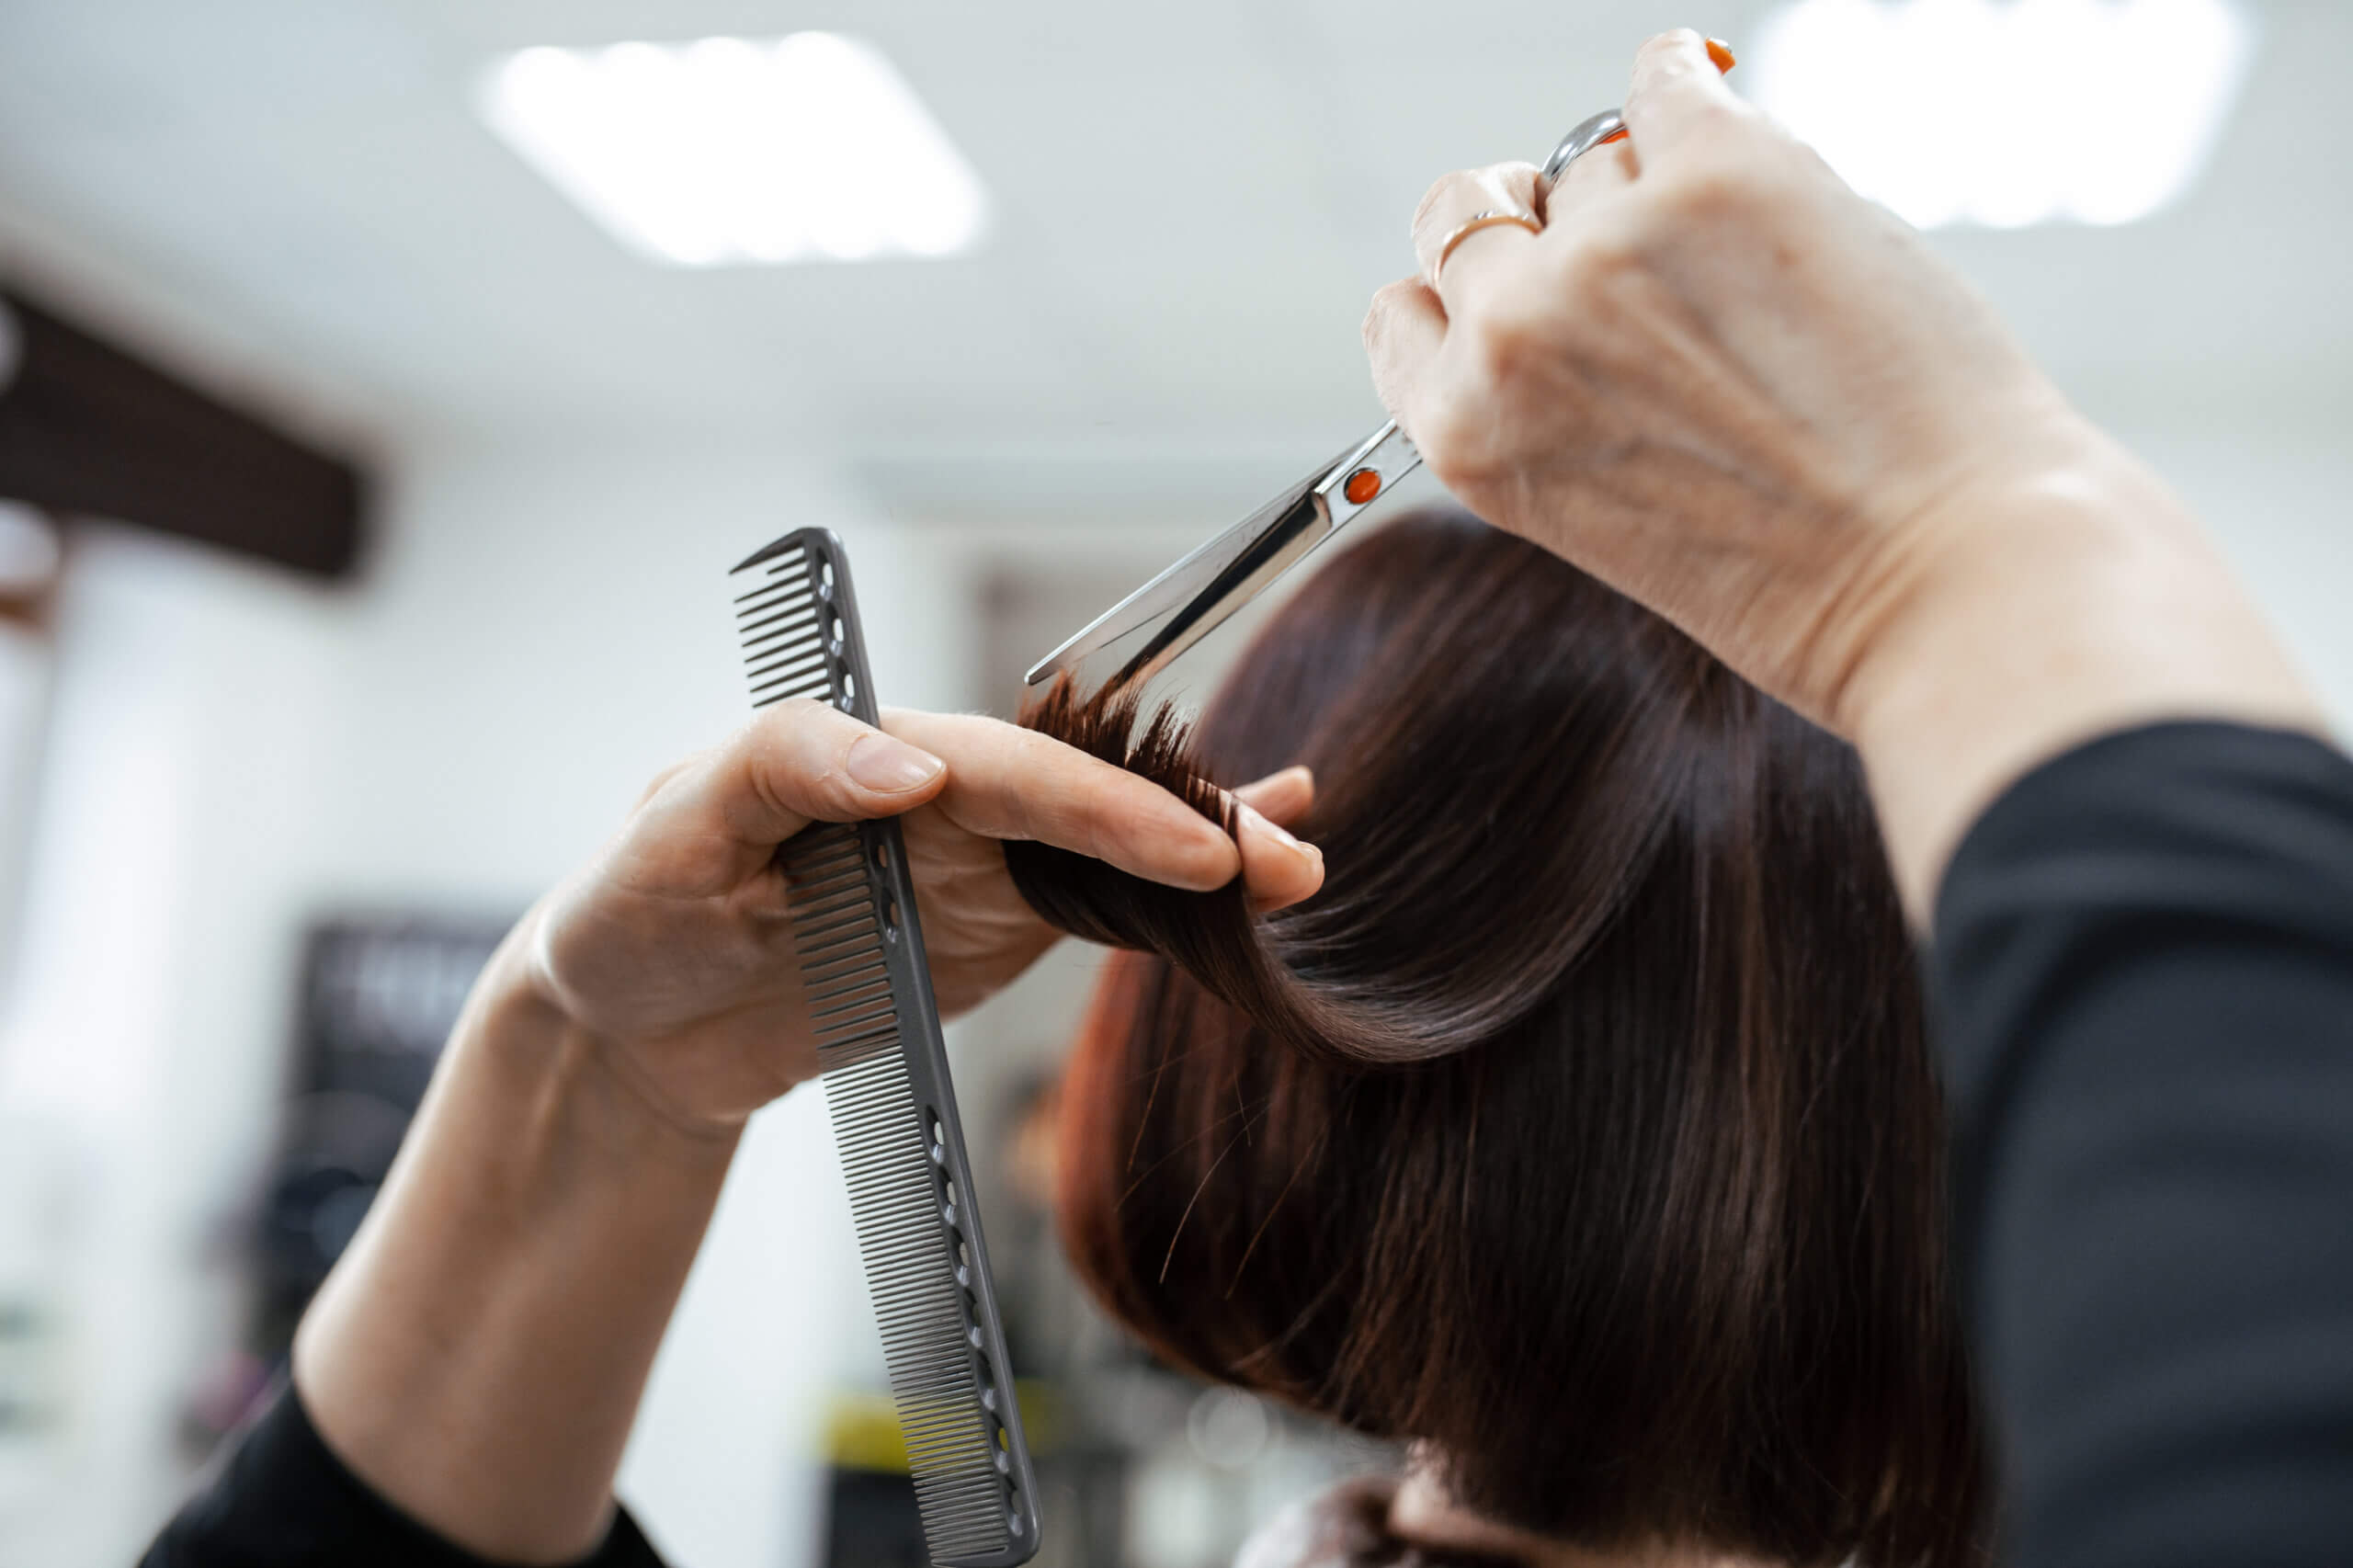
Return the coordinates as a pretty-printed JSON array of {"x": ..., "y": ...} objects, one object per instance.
[
  {"x": 2280, "y": 502},
  {"x": 138, "y": 1045},
  {"x": 543, "y": 631}
]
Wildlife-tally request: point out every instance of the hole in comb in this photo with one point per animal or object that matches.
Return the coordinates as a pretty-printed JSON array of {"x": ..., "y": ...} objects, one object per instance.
[
  {"x": 882, "y": 859},
  {"x": 849, "y": 685},
  {"x": 889, "y": 916},
  {"x": 835, "y": 630},
  {"x": 825, "y": 579}
]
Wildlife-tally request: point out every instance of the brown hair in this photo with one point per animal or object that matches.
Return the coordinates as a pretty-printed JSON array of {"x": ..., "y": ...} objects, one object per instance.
[{"x": 1583, "y": 1127}]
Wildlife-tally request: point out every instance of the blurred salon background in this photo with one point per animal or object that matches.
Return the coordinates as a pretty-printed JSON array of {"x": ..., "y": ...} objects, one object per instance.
[{"x": 386, "y": 387}]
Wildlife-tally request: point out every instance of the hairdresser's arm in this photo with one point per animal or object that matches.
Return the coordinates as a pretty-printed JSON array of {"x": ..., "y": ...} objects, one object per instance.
[
  {"x": 476, "y": 1358},
  {"x": 1724, "y": 383}
]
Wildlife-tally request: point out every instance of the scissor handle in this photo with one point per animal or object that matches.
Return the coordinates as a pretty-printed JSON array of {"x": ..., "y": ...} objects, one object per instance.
[
  {"x": 1578, "y": 143},
  {"x": 1200, "y": 591}
]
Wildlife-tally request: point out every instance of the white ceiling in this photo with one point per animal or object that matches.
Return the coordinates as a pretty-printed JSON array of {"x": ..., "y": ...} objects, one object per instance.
[{"x": 1191, "y": 204}]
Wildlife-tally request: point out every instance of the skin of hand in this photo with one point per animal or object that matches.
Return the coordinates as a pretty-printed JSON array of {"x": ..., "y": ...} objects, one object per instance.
[
  {"x": 478, "y": 1352},
  {"x": 676, "y": 944},
  {"x": 1725, "y": 385}
]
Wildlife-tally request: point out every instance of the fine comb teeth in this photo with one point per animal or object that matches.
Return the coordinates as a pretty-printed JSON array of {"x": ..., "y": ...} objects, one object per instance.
[{"x": 894, "y": 1108}]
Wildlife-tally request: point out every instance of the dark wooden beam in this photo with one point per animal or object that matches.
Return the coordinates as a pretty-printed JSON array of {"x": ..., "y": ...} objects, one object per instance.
[{"x": 87, "y": 428}]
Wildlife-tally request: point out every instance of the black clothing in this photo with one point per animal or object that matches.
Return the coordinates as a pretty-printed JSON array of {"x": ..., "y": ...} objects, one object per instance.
[
  {"x": 2144, "y": 978},
  {"x": 2144, "y": 985},
  {"x": 283, "y": 1500}
]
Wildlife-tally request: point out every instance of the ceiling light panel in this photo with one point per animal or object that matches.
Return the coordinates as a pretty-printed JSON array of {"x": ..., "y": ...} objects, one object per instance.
[
  {"x": 2006, "y": 113},
  {"x": 734, "y": 151}
]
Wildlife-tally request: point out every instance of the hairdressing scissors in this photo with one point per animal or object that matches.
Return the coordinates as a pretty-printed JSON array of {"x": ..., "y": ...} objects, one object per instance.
[{"x": 1193, "y": 597}]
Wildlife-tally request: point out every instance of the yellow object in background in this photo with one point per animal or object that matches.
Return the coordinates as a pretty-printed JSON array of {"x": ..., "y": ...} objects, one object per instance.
[{"x": 862, "y": 1431}]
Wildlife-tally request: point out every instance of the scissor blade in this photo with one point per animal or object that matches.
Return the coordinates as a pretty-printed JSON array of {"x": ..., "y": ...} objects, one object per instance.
[
  {"x": 1306, "y": 524},
  {"x": 1180, "y": 585}
]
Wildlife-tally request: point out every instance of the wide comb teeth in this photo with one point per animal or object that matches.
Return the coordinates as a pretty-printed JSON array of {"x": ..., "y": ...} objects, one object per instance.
[
  {"x": 888, "y": 1096},
  {"x": 792, "y": 636}
]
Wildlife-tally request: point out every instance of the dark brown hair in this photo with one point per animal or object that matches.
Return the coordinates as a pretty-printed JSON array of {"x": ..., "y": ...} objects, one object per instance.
[{"x": 1583, "y": 1127}]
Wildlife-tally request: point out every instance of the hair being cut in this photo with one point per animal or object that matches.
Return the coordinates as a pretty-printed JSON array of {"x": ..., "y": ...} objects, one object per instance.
[{"x": 1582, "y": 1127}]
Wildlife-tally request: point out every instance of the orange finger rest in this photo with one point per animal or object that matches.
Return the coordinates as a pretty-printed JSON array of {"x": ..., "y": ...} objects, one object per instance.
[{"x": 1361, "y": 486}]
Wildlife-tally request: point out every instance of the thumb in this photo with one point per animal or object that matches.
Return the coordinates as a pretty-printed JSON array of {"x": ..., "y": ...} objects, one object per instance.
[{"x": 799, "y": 762}]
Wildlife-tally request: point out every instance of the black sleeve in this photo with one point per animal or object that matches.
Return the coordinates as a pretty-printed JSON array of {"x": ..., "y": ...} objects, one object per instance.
[
  {"x": 283, "y": 1500},
  {"x": 2144, "y": 972}
]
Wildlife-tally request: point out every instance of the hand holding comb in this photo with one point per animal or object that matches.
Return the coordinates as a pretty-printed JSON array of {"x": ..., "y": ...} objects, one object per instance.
[{"x": 887, "y": 1091}]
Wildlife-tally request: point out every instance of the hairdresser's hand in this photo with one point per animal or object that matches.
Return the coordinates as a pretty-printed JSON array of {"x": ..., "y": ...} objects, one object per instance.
[
  {"x": 1718, "y": 379},
  {"x": 1724, "y": 383},
  {"x": 477, "y": 1354},
  {"x": 674, "y": 949}
]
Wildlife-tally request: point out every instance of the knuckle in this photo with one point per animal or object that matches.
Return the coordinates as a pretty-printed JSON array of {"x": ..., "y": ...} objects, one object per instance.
[
  {"x": 678, "y": 769},
  {"x": 792, "y": 718},
  {"x": 808, "y": 748},
  {"x": 1441, "y": 192},
  {"x": 1514, "y": 182},
  {"x": 1455, "y": 440},
  {"x": 1380, "y": 315}
]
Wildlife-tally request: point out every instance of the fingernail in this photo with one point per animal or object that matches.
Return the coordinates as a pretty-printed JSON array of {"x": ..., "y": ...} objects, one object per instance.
[
  {"x": 889, "y": 767},
  {"x": 1254, "y": 823}
]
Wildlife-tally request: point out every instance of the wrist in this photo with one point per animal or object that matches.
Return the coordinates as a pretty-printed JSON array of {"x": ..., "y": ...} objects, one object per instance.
[
  {"x": 698, "y": 1085},
  {"x": 582, "y": 1079},
  {"x": 2042, "y": 610}
]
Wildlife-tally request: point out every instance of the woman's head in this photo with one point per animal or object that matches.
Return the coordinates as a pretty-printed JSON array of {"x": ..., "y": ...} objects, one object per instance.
[{"x": 1582, "y": 1127}]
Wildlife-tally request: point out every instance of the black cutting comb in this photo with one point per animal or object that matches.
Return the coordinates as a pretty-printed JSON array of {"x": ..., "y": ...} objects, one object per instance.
[{"x": 894, "y": 1108}]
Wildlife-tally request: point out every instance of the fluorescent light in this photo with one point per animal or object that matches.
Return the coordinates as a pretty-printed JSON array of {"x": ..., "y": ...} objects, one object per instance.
[
  {"x": 733, "y": 150},
  {"x": 2008, "y": 112}
]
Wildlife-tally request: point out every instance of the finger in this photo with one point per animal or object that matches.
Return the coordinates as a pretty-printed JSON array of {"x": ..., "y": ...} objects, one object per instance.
[
  {"x": 1454, "y": 261},
  {"x": 1678, "y": 94},
  {"x": 799, "y": 762},
  {"x": 1276, "y": 870},
  {"x": 1007, "y": 782},
  {"x": 1281, "y": 798},
  {"x": 1402, "y": 334}
]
